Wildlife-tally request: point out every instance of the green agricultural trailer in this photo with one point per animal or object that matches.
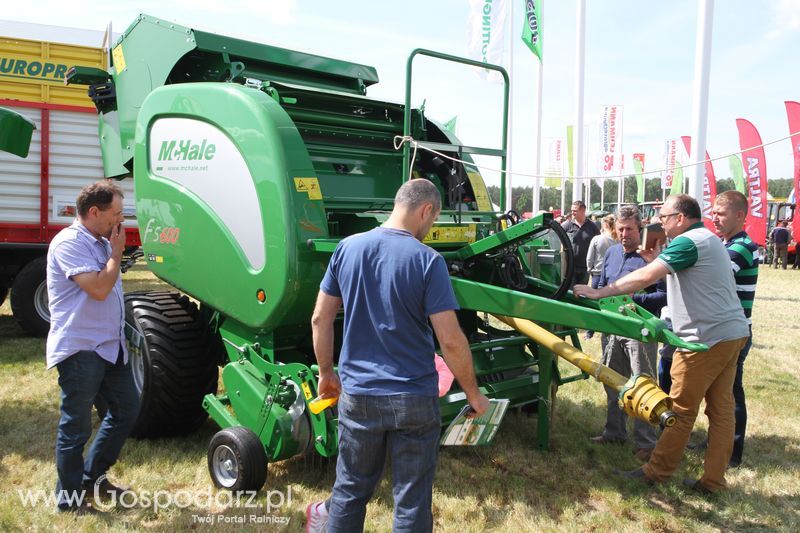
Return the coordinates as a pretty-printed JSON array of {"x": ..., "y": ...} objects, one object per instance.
[{"x": 250, "y": 164}]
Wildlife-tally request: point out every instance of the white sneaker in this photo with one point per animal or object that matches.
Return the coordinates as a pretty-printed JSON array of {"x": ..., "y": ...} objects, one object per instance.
[{"x": 316, "y": 518}]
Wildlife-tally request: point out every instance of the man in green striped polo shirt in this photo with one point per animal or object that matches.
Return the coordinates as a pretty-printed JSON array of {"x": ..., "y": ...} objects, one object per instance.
[
  {"x": 704, "y": 307},
  {"x": 729, "y": 214}
]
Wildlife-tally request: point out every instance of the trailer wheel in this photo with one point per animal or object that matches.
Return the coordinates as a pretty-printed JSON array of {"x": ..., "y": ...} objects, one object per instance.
[
  {"x": 237, "y": 460},
  {"x": 29, "y": 301},
  {"x": 173, "y": 356}
]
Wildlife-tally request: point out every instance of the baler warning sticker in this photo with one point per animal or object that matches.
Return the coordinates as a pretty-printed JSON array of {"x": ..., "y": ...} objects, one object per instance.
[
  {"x": 119, "y": 58},
  {"x": 310, "y": 186},
  {"x": 451, "y": 234},
  {"x": 306, "y": 390}
]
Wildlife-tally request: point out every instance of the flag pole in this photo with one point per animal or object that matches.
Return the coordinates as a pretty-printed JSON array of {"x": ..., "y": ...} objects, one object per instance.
[
  {"x": 702, "y": 68},
  {"x": 537, "y": 181},
  {"x": 509, "y": 174},
  {"x": 580, "y": 58}
]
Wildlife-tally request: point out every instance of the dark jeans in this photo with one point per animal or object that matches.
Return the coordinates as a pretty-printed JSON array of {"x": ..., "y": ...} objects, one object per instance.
[
  {"x": 595, "y": 280},
  {"x": 405, "y": 428},
  {"x": 740, "y": 412},
  {"x": 665, "y": 363},
  {"x": 82, "y": 377}
]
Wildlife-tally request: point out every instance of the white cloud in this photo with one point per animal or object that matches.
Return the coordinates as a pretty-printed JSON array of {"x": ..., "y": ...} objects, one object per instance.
[{"x": 786, "y": 17}]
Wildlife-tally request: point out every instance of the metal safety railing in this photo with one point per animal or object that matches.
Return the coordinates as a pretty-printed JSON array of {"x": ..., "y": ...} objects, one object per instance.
[{"x": 502, "y": 153}]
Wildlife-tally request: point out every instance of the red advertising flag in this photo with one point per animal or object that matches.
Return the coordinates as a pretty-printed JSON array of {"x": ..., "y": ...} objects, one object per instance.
[
  {"x": 793, "y": 111},
  {"x": 755, "y": 168},
  {"x": 709, "y": 185}
]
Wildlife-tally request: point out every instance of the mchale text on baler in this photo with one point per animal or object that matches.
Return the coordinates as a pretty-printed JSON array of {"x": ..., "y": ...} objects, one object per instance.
[{"x": 250, "y": 163}]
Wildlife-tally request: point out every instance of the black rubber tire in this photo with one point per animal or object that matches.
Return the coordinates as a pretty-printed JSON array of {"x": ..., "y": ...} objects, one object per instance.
[
  {"x": 241, "y": 447},
  {"x": 28, "y": 285},
  {"x": 3, "y": 294},
  {"x": 179, "y": 358}
]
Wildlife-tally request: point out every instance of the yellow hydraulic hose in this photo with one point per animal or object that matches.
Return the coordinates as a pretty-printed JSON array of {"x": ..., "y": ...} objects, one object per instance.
[{"x": 639, "y": 396}]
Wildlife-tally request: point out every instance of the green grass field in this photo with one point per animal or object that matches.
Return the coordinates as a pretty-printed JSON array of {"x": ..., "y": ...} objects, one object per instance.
[{"x": 508, "y": 486}]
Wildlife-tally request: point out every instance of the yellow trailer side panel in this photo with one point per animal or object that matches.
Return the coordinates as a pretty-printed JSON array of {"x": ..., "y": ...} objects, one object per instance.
[{"x": 33, "y": 71}]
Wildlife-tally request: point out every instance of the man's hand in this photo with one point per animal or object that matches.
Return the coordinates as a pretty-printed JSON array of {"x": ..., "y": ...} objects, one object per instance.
[
  {"x": 329, "y": 385},
  {"x": 648, "y": 255},
  {"x": 586, "y": 291},
  {"x": 117, "y": 240},
  {"x": 479, "y": 404}
]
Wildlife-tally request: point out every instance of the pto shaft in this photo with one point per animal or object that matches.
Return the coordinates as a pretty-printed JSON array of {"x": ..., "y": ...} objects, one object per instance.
[{"x": 639, "y": 396}]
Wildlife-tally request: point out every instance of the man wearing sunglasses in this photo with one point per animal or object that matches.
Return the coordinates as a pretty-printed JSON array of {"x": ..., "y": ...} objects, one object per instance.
[{"x": 704, "y": 307}]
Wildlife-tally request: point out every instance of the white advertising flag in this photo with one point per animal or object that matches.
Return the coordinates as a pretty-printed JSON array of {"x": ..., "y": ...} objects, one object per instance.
[
  {"x": 556, "y": 162},
  {"x": 610, "y": 140},
  {"x": 486, "y": 35},
  {"x": 671, "y": 157}
]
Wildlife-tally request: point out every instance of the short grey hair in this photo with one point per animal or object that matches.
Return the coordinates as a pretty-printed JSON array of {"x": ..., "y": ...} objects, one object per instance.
[
  {"x": 414, "y": 193},
  {"x": 629, "y": 212}
]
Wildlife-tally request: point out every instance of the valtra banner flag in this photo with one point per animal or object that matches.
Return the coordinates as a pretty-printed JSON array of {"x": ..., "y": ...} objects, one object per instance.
[
  {"x": 486, "y": 28},
  {"x": 755, "y": 170},
  {"x": 709, "y": 185},
  {"x": 793, "y": 112}
]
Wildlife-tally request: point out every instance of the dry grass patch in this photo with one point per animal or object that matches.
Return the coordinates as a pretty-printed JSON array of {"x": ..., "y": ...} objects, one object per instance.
[{"x": 509, "y": 486}]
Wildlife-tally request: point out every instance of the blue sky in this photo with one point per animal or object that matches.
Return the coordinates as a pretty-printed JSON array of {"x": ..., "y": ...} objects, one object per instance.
[{"x": 638, "y": 54}]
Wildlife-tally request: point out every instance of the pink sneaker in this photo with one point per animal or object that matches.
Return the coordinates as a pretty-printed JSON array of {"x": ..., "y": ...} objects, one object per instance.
[{"x": 316, "y": 518}]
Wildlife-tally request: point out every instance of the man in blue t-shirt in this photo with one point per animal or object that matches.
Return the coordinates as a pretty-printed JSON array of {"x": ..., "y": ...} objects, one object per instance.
[{"x": 390, "y": 285}]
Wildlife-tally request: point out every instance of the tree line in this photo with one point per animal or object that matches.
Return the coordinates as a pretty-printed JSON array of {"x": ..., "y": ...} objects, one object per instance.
[{"x": 522, "y": 197}]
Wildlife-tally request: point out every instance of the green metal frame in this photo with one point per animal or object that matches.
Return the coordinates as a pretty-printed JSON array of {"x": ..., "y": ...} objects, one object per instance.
[
  {"x": 458, "y": 148},
  {"x": 16, "y": 132}
]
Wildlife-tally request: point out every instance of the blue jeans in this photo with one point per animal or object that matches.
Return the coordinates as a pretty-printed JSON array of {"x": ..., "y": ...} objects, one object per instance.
[
  {"x": 403, "y": 428},
  {"x": 82, "y": 377},
  {"x": 740, "y": 412}
]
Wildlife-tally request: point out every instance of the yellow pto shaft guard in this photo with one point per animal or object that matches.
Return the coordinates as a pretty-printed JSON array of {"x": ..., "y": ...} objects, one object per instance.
[{"x": 639, "y": 396}]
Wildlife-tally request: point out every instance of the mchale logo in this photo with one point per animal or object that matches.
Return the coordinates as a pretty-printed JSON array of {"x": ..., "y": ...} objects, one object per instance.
[{"x": 186, "y": 150}]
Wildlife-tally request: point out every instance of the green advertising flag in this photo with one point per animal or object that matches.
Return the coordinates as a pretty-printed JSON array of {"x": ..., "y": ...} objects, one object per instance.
[
  {"x": 450, "y": 125},
  {"x": 737, "y": 173},
  {"x": 532, "y": 27},
  {"x": 677, "y": 180},
  {"x": 638, "y": 169}
]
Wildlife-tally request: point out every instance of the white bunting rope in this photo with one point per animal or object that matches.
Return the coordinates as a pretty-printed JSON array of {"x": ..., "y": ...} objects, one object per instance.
[{"x": 400, "y": 140}]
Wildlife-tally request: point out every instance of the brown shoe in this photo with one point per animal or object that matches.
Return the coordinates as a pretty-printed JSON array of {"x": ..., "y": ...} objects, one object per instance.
[
  {"x": 637, "y": 475},
  {"x": 602, "y": 439},
  {"x": 643, "y": 454},
  {"x": 694, "y": 485}
]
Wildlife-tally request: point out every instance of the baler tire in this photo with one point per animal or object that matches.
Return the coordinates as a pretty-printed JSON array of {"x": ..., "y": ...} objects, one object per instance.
[
  {"x": 29, "y": 298},
  {"x": 3, "y": 294},
  {"x": 237, "y": 460},
  {"x": 178, "y": 360}
]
